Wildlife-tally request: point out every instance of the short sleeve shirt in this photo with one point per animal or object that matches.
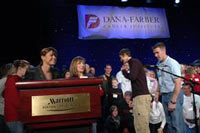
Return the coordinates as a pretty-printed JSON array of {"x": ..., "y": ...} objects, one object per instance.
[{"x": 166, "y": 80}]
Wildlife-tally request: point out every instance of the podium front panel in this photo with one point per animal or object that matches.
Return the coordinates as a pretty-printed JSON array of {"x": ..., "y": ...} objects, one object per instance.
[{"x": 59, "y": 104}]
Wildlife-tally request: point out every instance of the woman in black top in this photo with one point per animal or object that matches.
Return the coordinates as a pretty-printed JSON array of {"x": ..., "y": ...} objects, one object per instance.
[{"x": 46, "y": 70}]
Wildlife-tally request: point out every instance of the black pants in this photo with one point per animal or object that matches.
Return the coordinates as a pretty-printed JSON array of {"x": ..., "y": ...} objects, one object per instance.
[
  {"x": 154, "y": 127},
  {"x": 3, "y": 127}
]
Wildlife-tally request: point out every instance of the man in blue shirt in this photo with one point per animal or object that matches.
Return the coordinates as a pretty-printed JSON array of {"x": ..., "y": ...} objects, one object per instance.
[{"x": 170, "y": 88}]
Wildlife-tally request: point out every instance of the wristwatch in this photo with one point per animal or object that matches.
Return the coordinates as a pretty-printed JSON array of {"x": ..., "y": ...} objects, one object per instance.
[{"x": 173, "y": 102}]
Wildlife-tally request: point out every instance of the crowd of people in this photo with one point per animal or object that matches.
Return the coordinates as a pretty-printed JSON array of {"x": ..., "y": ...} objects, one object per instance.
[{"x": 136, "y": 100}]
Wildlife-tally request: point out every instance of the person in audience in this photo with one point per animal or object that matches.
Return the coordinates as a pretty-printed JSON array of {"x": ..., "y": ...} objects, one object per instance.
[
  {"x": 112, "y": 124},
  {"x": 124, "y": 82},
  {"x": 115, "y": 95},
  {"x": 197, "y": 69},
  {"x": 196, "y": 64},
  {"x": 141, "y": 96},
  {"x": 87, "y": 69},
  {"x": 183, "y": 70},
  {"x": 12, "y": 99},
  {"x": 46, "y": 70},
  {"x": 66, "y": 74},
  {"x": 157, "y": 119},
  {"x": 7, "y": 69},
  {"x": 106, "y": 86},
  {"x": 170, "y": 88},
  {"x": 126, "y": 113},
  {"x": 92, "y": 71},
  {"x": 188, "y": 110},
  {"x": 191, "y": 75},
  {"x": 152, "y": 82}
]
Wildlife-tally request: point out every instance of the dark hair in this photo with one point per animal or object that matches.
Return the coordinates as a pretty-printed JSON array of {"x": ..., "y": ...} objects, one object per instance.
[
  {"x": 187, "y": 84},
  {"x": 64, "y": 72},
  {"x": 159, "y": 45},
  {"x": 20, "y": 63},
  {"x": 125, "y": 51},
  {"x": 112, "y": 108},
  {"x": 44, "y": 51},
  {"x": 128, "y": 93}
]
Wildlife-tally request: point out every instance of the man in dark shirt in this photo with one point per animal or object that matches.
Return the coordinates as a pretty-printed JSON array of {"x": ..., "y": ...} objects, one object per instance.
[
  {"x": 106, "y": 86},
  {"x": 141, "y": 96}
]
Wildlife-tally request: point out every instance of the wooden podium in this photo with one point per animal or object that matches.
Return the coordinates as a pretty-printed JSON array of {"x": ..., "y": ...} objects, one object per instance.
[{"x": 59, "y": 103}]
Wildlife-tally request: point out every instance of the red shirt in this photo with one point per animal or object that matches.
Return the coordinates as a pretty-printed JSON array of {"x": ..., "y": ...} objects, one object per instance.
[
  {"x": 197, "y": 79},
  {"x": 12, "y": 98}
]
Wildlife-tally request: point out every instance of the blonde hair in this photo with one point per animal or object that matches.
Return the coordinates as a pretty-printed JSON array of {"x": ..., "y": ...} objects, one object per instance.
[
  {"x": 73, "y": 66},
  {"x": 190, "y": 70}
]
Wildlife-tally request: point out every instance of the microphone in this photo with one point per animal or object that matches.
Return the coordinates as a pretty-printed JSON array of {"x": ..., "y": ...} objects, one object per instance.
[{"x": 154, "y": 66}]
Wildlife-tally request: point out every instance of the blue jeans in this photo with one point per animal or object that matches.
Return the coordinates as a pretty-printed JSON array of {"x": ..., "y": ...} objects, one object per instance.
[
  {"x": 189, "y": 130},
  {"x": 15, "y": 127},
  {"x": 174, "y": 118}
]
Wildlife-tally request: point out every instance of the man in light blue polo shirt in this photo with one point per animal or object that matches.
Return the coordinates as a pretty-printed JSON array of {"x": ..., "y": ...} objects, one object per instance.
[{"x": 170, "y": 88}]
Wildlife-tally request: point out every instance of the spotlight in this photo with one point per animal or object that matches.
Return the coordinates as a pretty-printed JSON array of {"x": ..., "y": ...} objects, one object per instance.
[
  {"x": 177, "y": 1},
  {"x": 124, "y": 0}
]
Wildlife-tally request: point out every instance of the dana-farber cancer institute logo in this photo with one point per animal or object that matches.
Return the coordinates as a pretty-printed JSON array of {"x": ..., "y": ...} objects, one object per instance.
[{"x": 91, "y": 21}]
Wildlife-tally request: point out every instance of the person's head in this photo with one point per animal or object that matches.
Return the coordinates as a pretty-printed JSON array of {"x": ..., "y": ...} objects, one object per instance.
[
  {"x": 114, "y": 111},
  {"x": 108, "y": 69},
  {"x": 196, "y": 64},
  {"x": 7, "y": 69},
  {"x": 87, "y": 68},
  {"x": 115, "y": 83},
  {"x": 197, "y": 69},
  {"x": 187, "y": 89},
  {"x": 128, "y": 96},
  {"x": 156, "y": 96},
  {"x": 48, "y": 56},
  {"x": 21, "y": 67},
  {"x": 152, "y": 74},
  {"x": 183, "y": 69},
  {"x": 77, "y": 66},
  {"x": 92, "y": 70},
  {"x": 159, "y": 50},
  {"x": 190, "y": 71},
  {"x": 126, "y": 66},
  {"x": 125, "y": 55},
  {"x": 147, "y": 72},
  {"x": 66, "y": 74}
]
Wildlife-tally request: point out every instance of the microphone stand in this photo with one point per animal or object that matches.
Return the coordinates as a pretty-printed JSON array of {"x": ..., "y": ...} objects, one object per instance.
[{"x": 192, "y": 86}]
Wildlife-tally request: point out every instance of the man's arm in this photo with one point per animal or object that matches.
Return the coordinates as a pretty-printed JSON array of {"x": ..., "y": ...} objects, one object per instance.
[
  {"x": 134, "y": 70},
  {"x": 176, "y": 89},
  {"x": 172, "y": 104}
]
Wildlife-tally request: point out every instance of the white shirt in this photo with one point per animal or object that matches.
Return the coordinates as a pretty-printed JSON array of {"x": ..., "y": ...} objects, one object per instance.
[
  {"x": 188, "y": 112},
  {"x": 157, "y": 114},
  {"x": 125, "y": 83},
  {"x": 152, "y": 84}
]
